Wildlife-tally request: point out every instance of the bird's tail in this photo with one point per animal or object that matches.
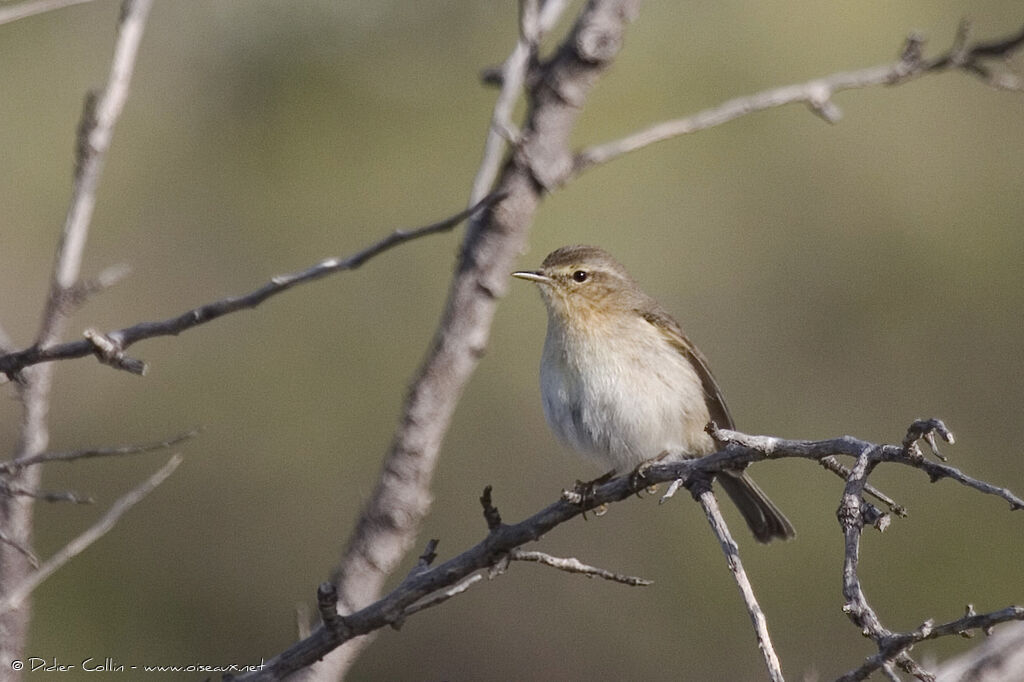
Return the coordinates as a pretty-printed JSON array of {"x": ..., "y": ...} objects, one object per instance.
[{"x": 764, "y": 518}]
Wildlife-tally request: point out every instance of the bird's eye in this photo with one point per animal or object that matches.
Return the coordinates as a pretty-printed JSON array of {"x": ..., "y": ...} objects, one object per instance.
[{"x": 580, "y": 275}]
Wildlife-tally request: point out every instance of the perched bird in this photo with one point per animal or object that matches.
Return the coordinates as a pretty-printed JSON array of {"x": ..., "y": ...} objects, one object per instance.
[{"x": 621, "y": 383}]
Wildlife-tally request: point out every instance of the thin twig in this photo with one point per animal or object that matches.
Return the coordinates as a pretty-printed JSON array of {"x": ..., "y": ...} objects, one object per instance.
[
  {"x": 99, "y": 116},
  {"x": 704, "y": 495},
  {"x": 1002, "y": 650},
  {"x": 34, "y": 7},
  {"x": 425, "y": 560},
  {"x": 327, "y": 603},
  {"x": 96, "y": 130},
  {"x": 817, "y": 94},
  {"x": 534, "y": 23},
  {"x": 85, "y": 289},
  {"x": 937, "y": 471},
  {"x": 14, "y": 597},
  {"x": 573, "y": 565},
  {"x": 443, "y": 595},
  {"x": 856, "y": 606},
  {"x": 14, "y": 465},
  {"x": 836, "y": 467},
  {"x": 748, "y": 448},
  {"x": 44, "y": 495},
  {"x": 29, "y": 555},
  {"x": 116, "y": 342}
]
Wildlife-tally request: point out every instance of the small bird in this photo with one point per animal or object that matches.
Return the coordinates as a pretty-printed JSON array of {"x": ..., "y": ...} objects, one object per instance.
[{"x": 622, "y": 384}]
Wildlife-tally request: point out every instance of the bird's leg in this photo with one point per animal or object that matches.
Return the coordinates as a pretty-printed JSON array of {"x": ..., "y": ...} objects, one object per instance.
[
  {"x": 585, "y": 491},
  {"x": 640, "y": 473}
]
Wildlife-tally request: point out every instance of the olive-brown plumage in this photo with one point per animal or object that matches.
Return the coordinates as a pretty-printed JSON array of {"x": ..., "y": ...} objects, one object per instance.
[{"x": 622, "y": 384}]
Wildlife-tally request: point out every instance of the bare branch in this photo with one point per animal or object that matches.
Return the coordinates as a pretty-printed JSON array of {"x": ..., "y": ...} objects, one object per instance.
[
  {"x": 833, "y": 465},
  {"x": 857, "y": 607},
  {"x": 85, "y": 289},
  {"x": 14, "y": 465},
  {"x": 327, "y": 603},
  {"x": 534, "y": 22},
  {"x": 572, "y": 565},
  {"x": 110, "y": 353},
  {"x": 769, "y": 447},
  {"x": 818, "y": 93},
  {"x": 110, "y": 347},
  {"x": 898, "y": 643},
  {"x": 34, "y": 7},
  {"x": 938, "y": 471},
  {"x": 700, "y": 488},
  {"x": 440, "y": 597},
  {"x": 387, "y": 527},
  {"x": 29, "y": 555},
  {"x": 95, "y": 132},
  {"x": 13, "y": 598},
  {"x": 503, "y": 542},
  {"x": 425, "y": 560},
  {"x": 14, "y": 490},
  {"x": 999, "y": 658},
  {"x": 96, "y": 127}
]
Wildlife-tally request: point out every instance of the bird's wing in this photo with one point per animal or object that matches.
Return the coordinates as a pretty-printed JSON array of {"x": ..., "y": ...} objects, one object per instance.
[{"x": 670, "y": 329}]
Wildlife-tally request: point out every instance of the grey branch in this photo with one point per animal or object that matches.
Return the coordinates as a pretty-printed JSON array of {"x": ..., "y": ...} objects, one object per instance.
[
  {"x": 14, "y": 490},
  {"x": 110, "y": 347},
  {"x": 999, "y": 658},
  {"x": 836, "y": 467},
  {"x": 700, "y": 488},
  {"x": 386, "y": 529},
  {"x": 534, "y": 23},
  {"x": 72, "y": 455},
  {"x": 86, "y": 288},
  {"x": 96, "y": 130},
  {"x": 898, "y": 643},
  {"x": 29, "y": 555},
  {"x": 503, "y": 541},
  {"x": 34, "y": 7},
  {"x": 573, "y": 565},
  {"x": 439, "y": 597},
  {"x": 14, "y": 597},
  {"x": 817, "y": 94},
  {"x": 756, "y": 448},
  {"x": 96, "y": 127}
]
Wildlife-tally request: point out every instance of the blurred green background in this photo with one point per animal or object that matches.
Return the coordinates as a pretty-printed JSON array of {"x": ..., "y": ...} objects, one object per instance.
[{"x": 841, "y": 279}]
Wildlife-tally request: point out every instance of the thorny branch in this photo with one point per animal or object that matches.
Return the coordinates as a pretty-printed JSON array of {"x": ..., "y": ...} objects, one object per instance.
[{"x": 430, "y": 585}]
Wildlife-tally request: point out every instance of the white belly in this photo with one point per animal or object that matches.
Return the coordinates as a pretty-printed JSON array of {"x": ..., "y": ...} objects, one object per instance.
[{"x": 623, "y": 408}]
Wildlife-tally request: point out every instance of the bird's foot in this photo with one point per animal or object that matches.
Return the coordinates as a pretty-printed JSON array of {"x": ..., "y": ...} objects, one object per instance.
[
  {"x": 638, "y": 474},
  {"x": 583, "y": 494}
]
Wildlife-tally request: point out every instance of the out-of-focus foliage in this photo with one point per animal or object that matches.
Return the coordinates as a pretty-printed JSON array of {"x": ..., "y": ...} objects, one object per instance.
[{"x": 841, "y": 279}]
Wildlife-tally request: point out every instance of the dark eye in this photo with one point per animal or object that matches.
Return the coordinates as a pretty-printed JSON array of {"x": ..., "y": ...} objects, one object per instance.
[{"x": 580, "y": 275}]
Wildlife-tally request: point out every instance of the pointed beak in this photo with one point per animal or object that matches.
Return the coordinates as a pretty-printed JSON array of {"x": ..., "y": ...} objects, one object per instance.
[{"x": 533, "y": 276}]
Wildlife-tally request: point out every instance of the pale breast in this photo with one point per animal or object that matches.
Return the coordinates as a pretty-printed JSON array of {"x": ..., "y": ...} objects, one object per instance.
[{"x": 623, "y": 397}]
